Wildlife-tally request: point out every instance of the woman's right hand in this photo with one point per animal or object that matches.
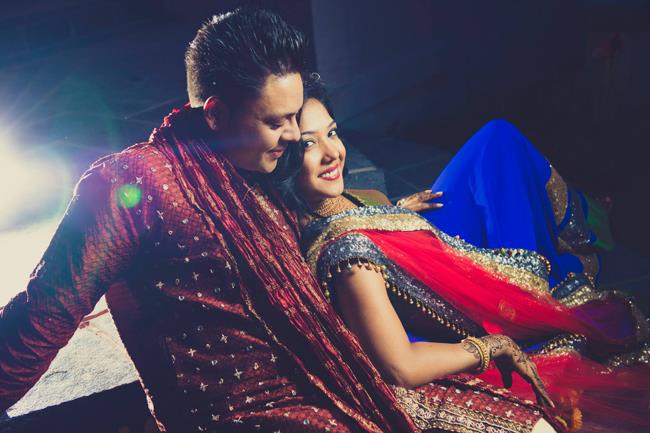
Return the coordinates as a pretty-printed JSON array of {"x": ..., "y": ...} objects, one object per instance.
[
  {"x": 420, "y": 201},
  {"x": 509, "y": 358}
]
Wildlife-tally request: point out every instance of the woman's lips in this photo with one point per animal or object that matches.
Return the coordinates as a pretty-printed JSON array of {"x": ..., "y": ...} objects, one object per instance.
[{"x": 331, "y": 173}]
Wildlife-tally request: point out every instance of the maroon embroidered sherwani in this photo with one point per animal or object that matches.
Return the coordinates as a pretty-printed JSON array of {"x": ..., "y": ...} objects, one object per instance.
[{"x": 131, "y": 233}]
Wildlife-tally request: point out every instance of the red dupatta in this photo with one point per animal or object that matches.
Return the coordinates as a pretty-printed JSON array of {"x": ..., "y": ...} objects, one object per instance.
[
  {"x": 503, "y": 304},
  {"x": 275, "y": 282}
]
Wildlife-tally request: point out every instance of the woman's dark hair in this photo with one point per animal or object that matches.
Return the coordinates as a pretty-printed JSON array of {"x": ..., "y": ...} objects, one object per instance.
[
  {"x": 232, "y": 55},
  {"x": 285, "y": 175}
]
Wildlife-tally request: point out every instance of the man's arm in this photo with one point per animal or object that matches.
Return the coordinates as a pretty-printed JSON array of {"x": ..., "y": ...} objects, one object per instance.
[{"x": 93, "y": 244}]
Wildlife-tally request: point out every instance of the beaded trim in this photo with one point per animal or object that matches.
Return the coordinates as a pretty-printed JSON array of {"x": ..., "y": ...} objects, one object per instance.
[
  {"x": 525, "y": 268},
  {"x": 566, "y": 343},
  {"x": 638, "y": 357},
  {"x": 357, "y": 250}
]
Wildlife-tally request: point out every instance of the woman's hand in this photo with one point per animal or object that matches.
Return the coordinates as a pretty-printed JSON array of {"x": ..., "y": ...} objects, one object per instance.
[
  {"x": 420, "y": 201},
  {"x": 509, "y": 358}
]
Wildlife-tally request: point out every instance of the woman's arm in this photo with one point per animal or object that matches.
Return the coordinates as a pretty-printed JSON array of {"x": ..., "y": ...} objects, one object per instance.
[
  {"x": 366, "y": 309},
  {"x": 368, "y": 312}
]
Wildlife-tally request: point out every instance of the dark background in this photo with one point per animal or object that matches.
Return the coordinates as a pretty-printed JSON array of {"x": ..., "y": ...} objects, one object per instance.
[
  {"x": 411, "y": 82},
  {"x": 572, "y": 75}
]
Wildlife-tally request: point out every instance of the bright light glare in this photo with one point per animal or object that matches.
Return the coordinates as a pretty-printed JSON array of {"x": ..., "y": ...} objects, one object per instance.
[
  {"x": 33, "y": 197},
  {"x": 20, "y": 252},
  {"x": 34, "y": 186}
]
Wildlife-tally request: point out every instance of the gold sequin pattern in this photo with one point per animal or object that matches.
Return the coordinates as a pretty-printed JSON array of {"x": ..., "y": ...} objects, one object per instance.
[
  {"x": 587, "y": 293},
  {"x": 393, "y": 289},
  {"x": 562, "y": 344},
  {"x": 389, "y": 222},
  {"x": 526, "y": 280},
  {"x": 558, "y": 194},
  {"x": 638, "y": 357},
  {"x": 404, "y": 221},
  {"x": 448, "y": 415}
]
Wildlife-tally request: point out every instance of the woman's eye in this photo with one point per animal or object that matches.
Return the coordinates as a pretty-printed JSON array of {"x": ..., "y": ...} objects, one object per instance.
[
  {"x": 333, "y": 133},
  {"x": 307, "y": 143}
]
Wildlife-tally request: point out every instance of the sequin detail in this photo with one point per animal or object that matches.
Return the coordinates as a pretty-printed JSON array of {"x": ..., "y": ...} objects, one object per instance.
[
  {"x": 355, "y": 249},
  {"x": 558, "y": 194},
  {"x": 524, "y": 268}
]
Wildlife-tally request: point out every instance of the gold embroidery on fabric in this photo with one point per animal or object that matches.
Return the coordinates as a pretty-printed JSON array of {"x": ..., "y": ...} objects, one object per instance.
[
  {"x": 562, "y": 344},
  {"x": 443, "y": 414},
  {"x": 526, "y": 280},
  {"x": 403, "y": 222},
  {"x": 389, "y": 222},
  {"x": 557, "y": 192},
  {"x": 587, "y": 293},
  {"x": 393, "y": 289},
  {"x": 637, "y": 357},
  {"x": 590, "y": 265}
]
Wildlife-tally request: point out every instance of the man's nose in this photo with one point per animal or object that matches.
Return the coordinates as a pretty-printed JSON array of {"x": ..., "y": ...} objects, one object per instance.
[{"x": 292, "y": 133}]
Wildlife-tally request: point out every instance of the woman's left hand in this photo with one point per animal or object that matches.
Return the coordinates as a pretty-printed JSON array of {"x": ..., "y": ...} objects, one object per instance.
[
  {"x": 509, "y": 359},
  {"x": 420, "y": 201}
]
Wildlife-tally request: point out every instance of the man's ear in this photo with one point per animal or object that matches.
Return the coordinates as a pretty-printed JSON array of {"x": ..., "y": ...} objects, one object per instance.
[{"x": 216, "y": 113}]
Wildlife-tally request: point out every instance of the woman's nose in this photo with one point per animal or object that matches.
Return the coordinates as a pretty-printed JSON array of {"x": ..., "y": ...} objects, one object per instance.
[{"x": 330, "y": 150}]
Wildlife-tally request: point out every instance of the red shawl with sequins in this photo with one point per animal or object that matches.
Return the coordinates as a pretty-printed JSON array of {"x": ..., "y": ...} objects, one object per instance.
[{"x": 276, "y": 284}]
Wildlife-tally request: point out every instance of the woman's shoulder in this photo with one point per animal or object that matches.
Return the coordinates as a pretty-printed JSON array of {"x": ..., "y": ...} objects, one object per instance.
[{"x": 371, "y": 197}]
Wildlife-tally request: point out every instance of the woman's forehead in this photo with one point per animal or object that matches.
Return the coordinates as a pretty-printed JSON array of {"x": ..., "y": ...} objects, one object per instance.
[{"x": 314, "y": 117}]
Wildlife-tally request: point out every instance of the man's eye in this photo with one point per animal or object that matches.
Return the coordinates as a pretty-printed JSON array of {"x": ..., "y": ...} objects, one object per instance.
[{"x": 275, "y": 125}]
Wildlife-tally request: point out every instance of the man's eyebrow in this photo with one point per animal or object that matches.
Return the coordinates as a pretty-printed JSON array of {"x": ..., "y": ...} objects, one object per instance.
[
  {"x": 332, "y": 123},
  {"x": 280, "y": 116}
]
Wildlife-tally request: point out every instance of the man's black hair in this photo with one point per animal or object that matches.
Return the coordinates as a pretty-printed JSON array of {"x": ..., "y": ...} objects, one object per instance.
[
  {"x": 232, "y": 55},
  {"x": 289, "y": 165}
]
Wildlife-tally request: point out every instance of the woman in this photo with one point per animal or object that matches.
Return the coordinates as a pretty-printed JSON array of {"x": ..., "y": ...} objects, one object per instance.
[{"x": 443, "y": 289}]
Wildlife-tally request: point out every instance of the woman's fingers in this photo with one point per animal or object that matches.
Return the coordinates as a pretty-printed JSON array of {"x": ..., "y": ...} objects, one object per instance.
[
  {"x": 426, "y": 206},
  {"x": 529, "y": 373},
  {"x": 540, "y": 389},
  {"x": 429, "y": 195},
  {"x": 421, "y": 201},
  {"x": 506, "y": 372}
]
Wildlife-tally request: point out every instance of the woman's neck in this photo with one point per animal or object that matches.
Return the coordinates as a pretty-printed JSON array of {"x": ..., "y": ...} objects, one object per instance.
[{"x": 327, "y": 207}]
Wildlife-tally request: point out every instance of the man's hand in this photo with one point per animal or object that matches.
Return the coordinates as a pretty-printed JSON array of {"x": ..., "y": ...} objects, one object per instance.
[
  {"x": 420, "y": 201},
  {"x": 509, "y": 358}
]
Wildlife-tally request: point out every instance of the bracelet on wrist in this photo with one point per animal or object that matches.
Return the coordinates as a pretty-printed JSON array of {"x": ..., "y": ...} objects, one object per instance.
[{"x": 483, "y": 350}]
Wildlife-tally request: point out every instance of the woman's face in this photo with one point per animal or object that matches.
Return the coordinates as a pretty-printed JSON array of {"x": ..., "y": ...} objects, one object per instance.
[{"x": 322, "y": 168}]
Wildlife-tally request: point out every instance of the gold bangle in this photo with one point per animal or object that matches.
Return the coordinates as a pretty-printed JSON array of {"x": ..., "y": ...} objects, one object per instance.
[{"x": 483, "y": 351}]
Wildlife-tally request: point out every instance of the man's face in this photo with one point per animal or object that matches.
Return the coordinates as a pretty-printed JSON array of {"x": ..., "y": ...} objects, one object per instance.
[{"x": 259, "y": 133}]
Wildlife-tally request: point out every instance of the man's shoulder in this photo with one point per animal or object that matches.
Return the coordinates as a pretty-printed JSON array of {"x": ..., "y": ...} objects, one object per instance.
[
  {"x": 137, "y": 155},
  {"x": 140, "y": 166}
]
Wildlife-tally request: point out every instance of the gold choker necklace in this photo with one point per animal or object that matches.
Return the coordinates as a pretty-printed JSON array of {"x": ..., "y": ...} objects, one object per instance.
[{"x": 332, "y": 206}]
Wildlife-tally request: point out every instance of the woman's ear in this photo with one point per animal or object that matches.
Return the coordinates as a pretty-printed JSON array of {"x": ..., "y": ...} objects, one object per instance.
[{"x": 216, "y": 113}]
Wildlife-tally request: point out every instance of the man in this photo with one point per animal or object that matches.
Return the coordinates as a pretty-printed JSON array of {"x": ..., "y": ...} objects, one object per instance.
[{"x": 199, "y": 261}]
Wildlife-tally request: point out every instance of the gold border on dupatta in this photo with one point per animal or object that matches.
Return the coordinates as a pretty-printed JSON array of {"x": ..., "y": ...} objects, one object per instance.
[
  {"x": 558, "y": 194},
  {"x": 405, "y": 223}
]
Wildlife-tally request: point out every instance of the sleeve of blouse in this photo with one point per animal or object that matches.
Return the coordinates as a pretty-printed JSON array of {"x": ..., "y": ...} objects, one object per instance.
[{"x": 93, "y": 244}]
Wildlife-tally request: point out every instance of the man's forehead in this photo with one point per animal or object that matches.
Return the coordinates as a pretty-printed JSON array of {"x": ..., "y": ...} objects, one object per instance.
[{"x": 280, "y": 96}]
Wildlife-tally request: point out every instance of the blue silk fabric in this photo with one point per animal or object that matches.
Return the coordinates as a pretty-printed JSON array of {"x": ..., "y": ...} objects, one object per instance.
[{"x": 495, "y": 197}]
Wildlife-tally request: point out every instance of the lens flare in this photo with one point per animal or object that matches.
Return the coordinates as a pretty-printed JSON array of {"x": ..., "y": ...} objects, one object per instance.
[{"x": 128, "y": 195}]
